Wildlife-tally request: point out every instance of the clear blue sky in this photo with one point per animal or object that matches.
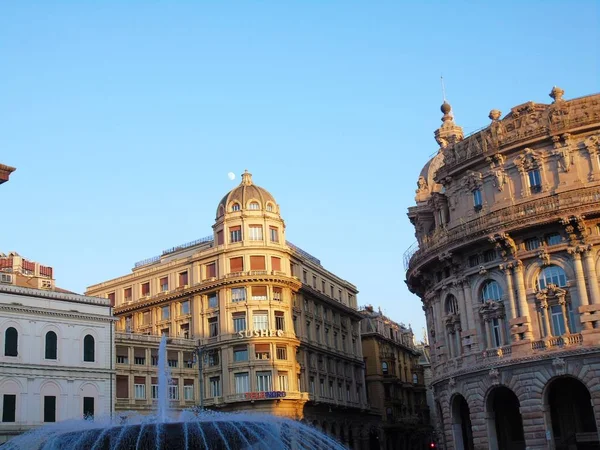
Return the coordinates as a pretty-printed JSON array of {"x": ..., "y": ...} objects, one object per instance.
[{"x": 111, "y": 110}]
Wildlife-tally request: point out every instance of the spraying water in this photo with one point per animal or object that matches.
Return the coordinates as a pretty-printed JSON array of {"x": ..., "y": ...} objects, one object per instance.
[{"x": 202, "y": 430}]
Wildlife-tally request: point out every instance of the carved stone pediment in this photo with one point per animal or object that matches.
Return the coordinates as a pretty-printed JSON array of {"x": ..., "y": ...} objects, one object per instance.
[
  {"x": 492, "y": 310},
  {"x": 552, "y": 294},
  {"x": 529, "y": 159},
  {"x": 472, "y": 180}
]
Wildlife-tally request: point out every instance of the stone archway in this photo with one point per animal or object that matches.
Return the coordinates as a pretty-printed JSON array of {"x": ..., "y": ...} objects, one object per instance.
[
  {"x": 461, "y": 424},
  {"x": 505, "y": 425},
  {"x": 568, "y": 402}
]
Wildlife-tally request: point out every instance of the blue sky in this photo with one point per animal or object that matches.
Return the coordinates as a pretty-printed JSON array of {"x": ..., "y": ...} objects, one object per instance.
[{"x": 110, "y": 110}]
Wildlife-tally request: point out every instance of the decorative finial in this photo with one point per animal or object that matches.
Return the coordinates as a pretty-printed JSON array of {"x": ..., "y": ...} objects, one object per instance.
[
  {"x": 495, "y": 114},
  {"x": 246, "y": 178},
  {"x": 557, "y": 94},
  {"x": 447, "y": 110}
]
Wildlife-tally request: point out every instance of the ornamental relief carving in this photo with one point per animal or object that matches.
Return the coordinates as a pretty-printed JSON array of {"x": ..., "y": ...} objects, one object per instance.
[
  {"x": 497, "y": 170},
  {"x": 492, "y": 310},
  {"x": 528, "y": 160},
  {"x": 472, "y": 180},
  {"x": 551, "y": 295}
]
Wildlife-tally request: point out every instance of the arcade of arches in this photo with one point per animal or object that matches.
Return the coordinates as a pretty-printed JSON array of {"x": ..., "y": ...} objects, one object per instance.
[{"x": 568, "y": 413}]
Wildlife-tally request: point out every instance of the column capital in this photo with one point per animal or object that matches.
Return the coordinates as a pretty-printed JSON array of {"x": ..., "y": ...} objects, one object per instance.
[
  {"x": 577, "y": 250},
  {"x": 507, "y": 267}
]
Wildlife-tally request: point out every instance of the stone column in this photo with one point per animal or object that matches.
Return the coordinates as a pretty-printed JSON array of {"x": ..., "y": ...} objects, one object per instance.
[
  {"x": 592, "y": 277},
  {"x": 468, "y": 303},
  {"x": 449, "y": 345},
  {"x": 458, "y": 339},
  {"x": 510, "y": 287},
  {"x": 522, "y": 295},
  {"x": 547, "y": 320},
  {"x": 488, "y": 332},
  {"x": 565, "y": 313},
  {"x": 503, "y": 340},
  {"x": 579, "y": 278}
]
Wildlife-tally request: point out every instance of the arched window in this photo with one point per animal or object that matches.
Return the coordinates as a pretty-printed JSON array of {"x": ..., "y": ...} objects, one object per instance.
[
  {"x": 88, "y": 348},
  {"x": 451, "y": 305},
  {"x": 551, "y": 275},
  {"x": 235, "y": 207},
  {"x": 254, "y": 205},
  {"x": 384, "y": 367},
  {"x": 11, "y": 338},
  {"x": 491, "y": 291},
  {"x": 415, "y": 378},
  {"x": 269, "y": 207},
  {"x": 51, "y": 345}
]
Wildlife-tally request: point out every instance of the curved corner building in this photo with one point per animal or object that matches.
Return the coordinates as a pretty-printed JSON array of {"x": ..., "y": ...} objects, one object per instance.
[
  {"x": 506, "y": 265},
  {"x": 272, "y": 329}
]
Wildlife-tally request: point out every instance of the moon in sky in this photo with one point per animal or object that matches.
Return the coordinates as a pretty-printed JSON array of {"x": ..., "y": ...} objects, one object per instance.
[{"x": 231, "y": 175}]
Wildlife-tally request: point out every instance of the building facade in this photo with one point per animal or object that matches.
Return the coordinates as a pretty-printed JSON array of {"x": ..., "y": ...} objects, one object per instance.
[
  {"x": 395, "y": 384},
  {"x": 508, "y": 228},
  {"x": 266, "y": 325},
  {"x": 56, "y": 350}
]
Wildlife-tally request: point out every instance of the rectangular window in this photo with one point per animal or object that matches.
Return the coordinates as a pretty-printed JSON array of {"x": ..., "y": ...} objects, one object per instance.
[
  {"x": 140, "y": 391},
  {"x": 304, "y": 276},
  {"x": 259, "y": 293},
  {"x": 340, "y": 394},
  {"x": 553, "y": 239},
  {"x": 323, "y": 286},
  {"x": 242, "y": 384},
  {"x": 256, "y": 233},
  {"x": 263, "y": 381},
  {"x": 257, "y": 263},
  {"x": 238, "y": 295},
  {"x": 477, "y": 202},
  {"x": 49, "y": 408},
  {"x": 88, "y": 407},
  {"x": 239, "y": 321},
  {"x": 274, "y": 234},
  {"x": 535, "y": 180},
  {"x": 213, "y": 326},
  {"x": 496, "y": 333},
  {"x": 312, "y": 385},
  {"x": 172, "y": 362},
  {"x": 213, "y": 358},
  {"x": 235, "y": 234},
  {"x": 314, "y": 284},
  {"x": 275, "y": 263},
  {"x": 322, "y": 386},
  {"x": 184, "y": 308},
  {"x": 174, "y": 391},
  {"x": 111, "y": 297},
  {"x": 154, "y": 388},
  {"x": 277, "y": 294},
  {"x": 532, "y": 243},
  {"x": 240, "y": 353},
  {"x": 489, "y": 255},
  {"x": 558, "y": 321},
  {"x": 9, "y": 407},
  {"x": 260, "y": 320},
  {"x": 220, "y": 239},
  {"x": 281, "y": 352},
  {"x": 330, "y": 393},
  {"x": 262, "y": 351},
  {"x": 183, "y": 279},
  {"x": 188, "y": 392},
  {"x": 211, "y": 270},
  {"x": 213, "y": 300},
  {"x": 215, "y": 386},
  {"x": 145, "y": 289},
  {"x": 279, "y": 320},
  {"x": 127, "y": 294},
  {"x": 236, "y": 264},
  {"x": 165, "y": 312},
  {"x": 146, "y": 318},
  {"x": 473, "y": 260},
  {"x": 282, "y": 381},
  {"x": 164, "y": 284}
]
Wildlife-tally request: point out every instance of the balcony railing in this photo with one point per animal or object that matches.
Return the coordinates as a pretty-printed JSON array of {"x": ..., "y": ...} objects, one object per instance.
[{"x": 560, "y": 204}]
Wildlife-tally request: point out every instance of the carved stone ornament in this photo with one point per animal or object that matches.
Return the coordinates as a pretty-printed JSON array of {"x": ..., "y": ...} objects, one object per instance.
[
  {"x": 559, "y": 365},
  {"x": 528, "y": 160},
  {"x": 563, "y": 151},
  {"x": 492, "y": 310},
  {"x": 545, "y": 257},
  {"x": 505, "y": 244},
  {"x": 496, "y": 163},
  {"x": 452, "y": 383},
  {"x": 422, "y": 185},
  {"x": 551, "y": 293},
  {"x": 473, "y": 180},
  {"x": 494, "y": 375}
]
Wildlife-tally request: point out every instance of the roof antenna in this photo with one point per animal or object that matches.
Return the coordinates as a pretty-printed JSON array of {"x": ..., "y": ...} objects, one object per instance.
[{"x": 443, "y": 88}]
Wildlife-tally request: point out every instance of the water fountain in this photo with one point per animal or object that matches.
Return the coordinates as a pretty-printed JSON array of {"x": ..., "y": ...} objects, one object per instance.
[{"x": 202, "y": 430}]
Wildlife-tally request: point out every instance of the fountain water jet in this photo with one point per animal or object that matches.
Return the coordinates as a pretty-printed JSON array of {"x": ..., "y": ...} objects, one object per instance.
[{"x": 205, "y": 430}]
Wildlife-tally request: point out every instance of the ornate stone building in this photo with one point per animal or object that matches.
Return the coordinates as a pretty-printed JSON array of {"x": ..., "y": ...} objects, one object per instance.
[
  {"x": 277, "y": 332},
  {"x": 395, "y": 384},
  {"x": 506, "y": 265}
]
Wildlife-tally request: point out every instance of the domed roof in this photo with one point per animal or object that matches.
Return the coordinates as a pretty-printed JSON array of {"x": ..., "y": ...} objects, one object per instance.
[{"x": 244, "y": 194}]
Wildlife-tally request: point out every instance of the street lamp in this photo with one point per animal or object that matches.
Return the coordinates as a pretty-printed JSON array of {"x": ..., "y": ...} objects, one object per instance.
[{"x": 200, "y": 356}]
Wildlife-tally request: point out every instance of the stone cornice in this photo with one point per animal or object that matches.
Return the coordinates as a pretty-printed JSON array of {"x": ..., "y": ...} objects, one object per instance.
[
  {"x": 26, "y": 370},
  {"x": 207, "y": 286},
  {"x": 53, "y": 295},
  {"x": 513, "y": 362},
  {"x": 27, "y": 310},
  {"x": 331, "y": 302}
]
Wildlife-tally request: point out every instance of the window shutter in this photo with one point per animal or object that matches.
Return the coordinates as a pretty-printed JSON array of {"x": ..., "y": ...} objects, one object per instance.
[
  {"x": 188, "y": 382},
  {"x": 220, "y": 237},
  {"x": 276, "y": 263},
  {"x": 257, "y": 263},
  {"x": 261, "y": 348},
  {"x": 259, "y": 291},
  {"x": 236, "y": 264},
  {"x": 139, "y": 380},
  {"x": 211, "y": 270}
]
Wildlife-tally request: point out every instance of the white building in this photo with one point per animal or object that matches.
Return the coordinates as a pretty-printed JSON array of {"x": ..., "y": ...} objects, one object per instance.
[{"x": 56, "y": 357}]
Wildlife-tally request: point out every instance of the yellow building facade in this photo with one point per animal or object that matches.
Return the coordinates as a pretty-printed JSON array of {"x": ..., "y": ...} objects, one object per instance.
[{"x": 267, "y": 326}]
